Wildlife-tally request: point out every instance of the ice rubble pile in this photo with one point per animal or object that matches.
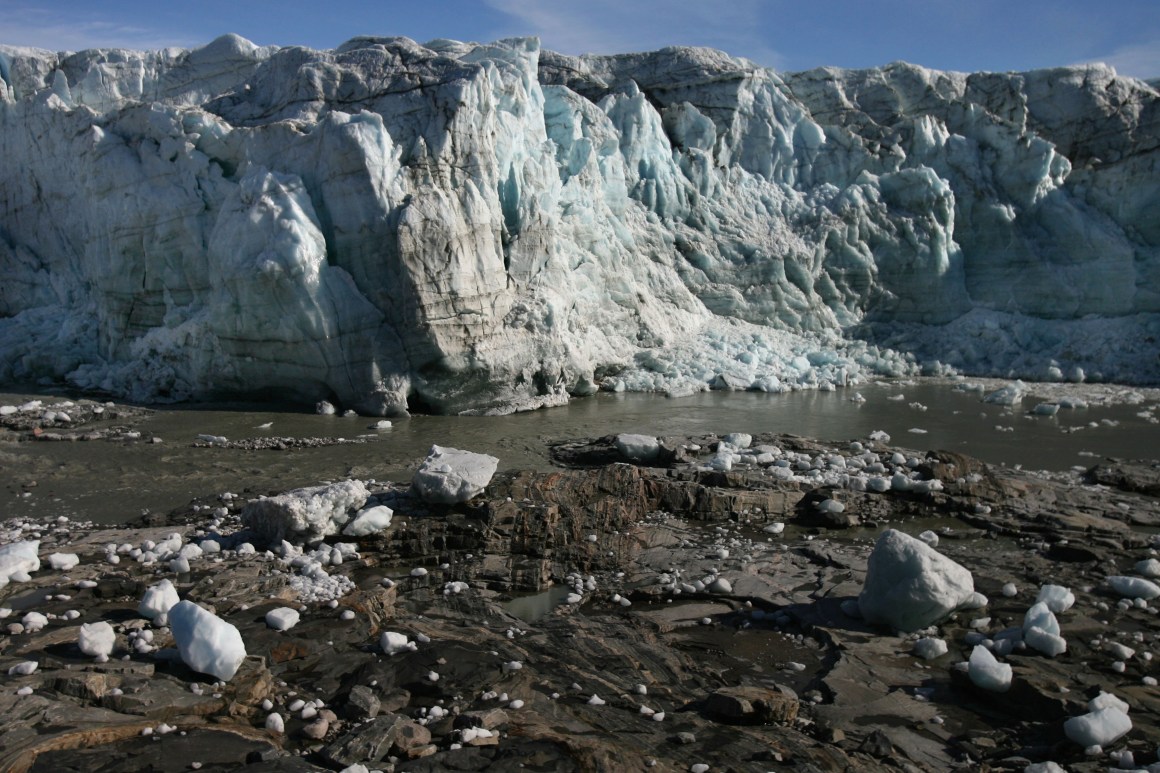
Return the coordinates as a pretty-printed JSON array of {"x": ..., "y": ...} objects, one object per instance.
[{"x": 485, "y": 227}]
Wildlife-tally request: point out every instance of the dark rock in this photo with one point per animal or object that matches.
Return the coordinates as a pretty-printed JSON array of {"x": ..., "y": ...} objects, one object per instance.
[
  {"x": 752, "y": 705},
  {"x": 361, "y": 703},
  {"x": 374, "y": 740}
]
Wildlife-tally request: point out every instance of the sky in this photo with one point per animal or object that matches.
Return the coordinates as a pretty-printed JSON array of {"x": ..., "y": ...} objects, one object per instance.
[{"x": 963, "y": 35}]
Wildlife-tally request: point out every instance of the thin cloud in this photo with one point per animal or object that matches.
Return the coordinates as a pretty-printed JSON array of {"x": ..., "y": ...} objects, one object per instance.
[
  {"x": 612, "y": 26},
  {"x": 39, "y": 28},
  {"x": 1139, "y": 60}
]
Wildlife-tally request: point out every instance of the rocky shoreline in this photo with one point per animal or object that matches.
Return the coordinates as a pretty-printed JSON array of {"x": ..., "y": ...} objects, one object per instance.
[{"x": 697, "y": 614}]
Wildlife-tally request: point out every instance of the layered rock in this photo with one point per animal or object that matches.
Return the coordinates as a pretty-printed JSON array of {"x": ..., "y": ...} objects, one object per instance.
[{"x": 458, "y": 227}]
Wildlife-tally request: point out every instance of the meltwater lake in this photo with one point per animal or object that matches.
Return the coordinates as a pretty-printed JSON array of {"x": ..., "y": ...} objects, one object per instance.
[{"x": 114, "y": 481}]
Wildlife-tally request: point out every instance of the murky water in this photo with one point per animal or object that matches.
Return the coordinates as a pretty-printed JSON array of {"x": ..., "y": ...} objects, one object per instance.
[{"x": 111, "y": 482}]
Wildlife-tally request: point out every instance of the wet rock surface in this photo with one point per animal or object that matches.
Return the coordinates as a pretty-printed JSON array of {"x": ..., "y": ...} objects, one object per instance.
[{"x": 690, "y": 614}]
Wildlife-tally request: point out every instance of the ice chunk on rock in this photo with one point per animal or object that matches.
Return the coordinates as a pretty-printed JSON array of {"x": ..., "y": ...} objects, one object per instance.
[
  {"x": 1134, "y": 587},
  {"x": 449, "y": 475},
  {"x": 929, "y": 648},
  {"x": 1098, "y": 728},
  {"x": 207, "y": 644},
  {"x": 987, "y": 672},
  {"x": 1056, "y": 597},
  {"x": 1041, "y": 630},
  {"x": 910, "y": 585},
  {"x": 393, "y": 642},
  {"x": 96, "y": 639},
  {"x": 306, "y": 513},
  {"x": 62, "y": 562},
  {"x": 158, "y": 600},
  {"x": 369, "y": 521},
  {"x": 18, "y": 557},
  {"x": 282, "y": 618},
  {"x": 638, "y": 448}
]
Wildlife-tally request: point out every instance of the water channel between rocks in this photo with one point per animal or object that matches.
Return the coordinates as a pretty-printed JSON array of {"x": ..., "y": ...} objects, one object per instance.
[{"x": 113, "y": 481}]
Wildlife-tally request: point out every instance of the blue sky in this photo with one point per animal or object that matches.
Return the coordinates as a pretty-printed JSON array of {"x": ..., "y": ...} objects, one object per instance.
[{"x": 965, "y": 35}]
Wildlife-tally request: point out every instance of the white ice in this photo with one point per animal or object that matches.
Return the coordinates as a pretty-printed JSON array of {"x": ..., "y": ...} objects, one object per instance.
[
  {"x": 306, "y": 513},
  {"x": 987, "y": 672},
  {"x": 369, "y": 521},
  {"x": 449, "y": 475},
  {"x": 909, "y": 585},
  {"x": 207, "y": 643}
]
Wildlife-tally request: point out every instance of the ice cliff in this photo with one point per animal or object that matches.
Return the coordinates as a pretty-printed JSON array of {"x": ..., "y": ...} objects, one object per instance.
[{"x": 456, "y": 226}]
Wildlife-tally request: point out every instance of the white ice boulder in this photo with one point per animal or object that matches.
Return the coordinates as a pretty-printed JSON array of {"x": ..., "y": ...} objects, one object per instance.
[
  {"x": 158, "y": 600},
  {"x": 449, "y": 475},
  {"x": 929, "y": 648},
  {"x": 369, "y": 521},
  {"x": 1134, "y": 587},
  {"x": 1057, "y": 598},
  {"x": 638, "y": 448},
  {"x": 738, "y": 439},
  {"x": 1098, "y": 728},
  {"x": 1041, "y": 630},
  {"x": 910, "y": 585},
  {"x": 1149, "y": 567},
  {"x": 987, "y": 672},
  {"x": 307, "y": 513},
  {"x": 207, "y": 643},
  {"x": 1008, "y": 395},
  {"x": 62, "y": 562},
  {"x": 96, "y": 639},
  {"x": 393, "y": 642},
  {"x": 18, "y": 557},
  {"x": 282, "y": 618}
]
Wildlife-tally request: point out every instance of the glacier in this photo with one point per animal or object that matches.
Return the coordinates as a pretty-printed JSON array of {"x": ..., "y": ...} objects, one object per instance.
[{"x": 460, "y": 227}]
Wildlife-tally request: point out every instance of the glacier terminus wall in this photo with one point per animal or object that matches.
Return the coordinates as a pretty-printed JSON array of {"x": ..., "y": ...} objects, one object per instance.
[{"x": 461, "y": 227}]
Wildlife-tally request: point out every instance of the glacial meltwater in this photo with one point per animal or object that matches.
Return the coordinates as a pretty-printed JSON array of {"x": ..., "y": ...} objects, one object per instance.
[{"x": 114, "y": 481}]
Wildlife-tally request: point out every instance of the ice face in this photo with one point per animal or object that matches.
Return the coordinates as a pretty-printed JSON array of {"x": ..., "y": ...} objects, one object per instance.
[{"x": 492, "y": 227}]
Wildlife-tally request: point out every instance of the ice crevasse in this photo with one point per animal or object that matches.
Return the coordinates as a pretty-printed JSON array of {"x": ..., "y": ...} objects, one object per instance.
[{"x": 466, "y": 227}]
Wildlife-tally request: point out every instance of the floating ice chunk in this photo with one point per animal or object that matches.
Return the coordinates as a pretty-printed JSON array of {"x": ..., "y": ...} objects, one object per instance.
[
  {"x": 17, "y": 558},
  {"x": 1045, "y": 409},
  {"x": 1098, "y": 728},
  {"x": 1057, "y": 598},
  {"x": 206, "y": 643},
  {"x": 392, "y": 643},
  {"x": 96, "y": 639},
  {"x": 381, "y": 424},
  {"x": 63, "y": 561},
  {"x": 449, "y": 475},
  {"x": 325, "y": 408},
  {"x": 369, "y": 521},
  {"x": 309, "y": 513},
  {"x": 1134, "y": 587},
  {"x": 909, "y": 585},
  {"x": 878, "y": 436},
  {"x": 1008, "y": 395},
  {"x": 638, "y": 448},
  {"x": 929, "y": 648},
  {"x": 282, "y": 618},
  {"x": 987, "y": 672},
  {"x": 158, "y": 600}
]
